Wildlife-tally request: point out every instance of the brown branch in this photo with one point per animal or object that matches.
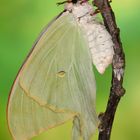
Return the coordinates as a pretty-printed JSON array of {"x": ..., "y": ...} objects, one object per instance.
[{"x": 118, "y": 66}]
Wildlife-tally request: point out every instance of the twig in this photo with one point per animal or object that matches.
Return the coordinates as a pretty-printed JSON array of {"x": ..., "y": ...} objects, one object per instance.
[{"x": 118, "y": 66}]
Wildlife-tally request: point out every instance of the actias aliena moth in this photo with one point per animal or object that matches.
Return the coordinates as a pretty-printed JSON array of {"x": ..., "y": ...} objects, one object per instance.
[{"x": 56, "y": 82}]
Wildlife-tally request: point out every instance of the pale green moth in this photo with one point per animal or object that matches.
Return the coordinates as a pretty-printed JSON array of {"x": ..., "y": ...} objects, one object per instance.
[{"x": 56, "y": 83}]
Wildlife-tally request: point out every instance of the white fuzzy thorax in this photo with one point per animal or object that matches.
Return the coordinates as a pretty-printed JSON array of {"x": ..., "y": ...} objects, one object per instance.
[{"x": 99, "y": 40}]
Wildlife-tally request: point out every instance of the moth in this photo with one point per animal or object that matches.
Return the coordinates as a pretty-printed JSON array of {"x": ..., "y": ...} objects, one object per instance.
[{"x": 56, "y": 83}]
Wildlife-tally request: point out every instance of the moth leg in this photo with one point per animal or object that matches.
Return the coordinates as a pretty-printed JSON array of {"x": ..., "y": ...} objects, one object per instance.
[
  {"x": 83, "y": 1},
  {"x": 110, "y": 1},
  {"x": 95, "y": 12},
  {"x": 99, "y": 11}
]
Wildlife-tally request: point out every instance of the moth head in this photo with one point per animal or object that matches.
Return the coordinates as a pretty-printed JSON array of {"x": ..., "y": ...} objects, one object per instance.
[{"x": 79, "y": 9}]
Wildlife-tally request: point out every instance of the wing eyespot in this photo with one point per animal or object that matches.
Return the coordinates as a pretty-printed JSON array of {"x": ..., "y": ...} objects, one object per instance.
[{"x": 61, "y": 74}]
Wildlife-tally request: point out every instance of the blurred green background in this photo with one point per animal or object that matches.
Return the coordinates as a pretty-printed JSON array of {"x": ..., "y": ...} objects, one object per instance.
[{"x": 20, "y": 23}]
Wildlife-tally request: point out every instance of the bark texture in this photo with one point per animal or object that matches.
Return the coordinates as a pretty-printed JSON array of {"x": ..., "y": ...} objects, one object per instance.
[{"x": 118, "y": 66}]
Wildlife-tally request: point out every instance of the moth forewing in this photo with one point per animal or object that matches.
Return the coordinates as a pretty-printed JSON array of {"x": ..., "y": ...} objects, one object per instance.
[{"x": 56, "y": 82}]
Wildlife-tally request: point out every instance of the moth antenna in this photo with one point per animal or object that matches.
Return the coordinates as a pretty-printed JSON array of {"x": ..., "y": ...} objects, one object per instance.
[
  {"x": 71, "y": 1},
  {"x": 63, "y": 2}
]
